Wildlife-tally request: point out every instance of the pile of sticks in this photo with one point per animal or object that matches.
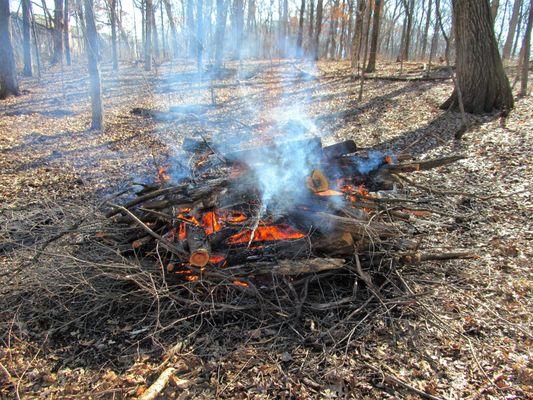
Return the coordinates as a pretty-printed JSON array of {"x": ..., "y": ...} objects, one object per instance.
[{"x": 212, "y": 225}]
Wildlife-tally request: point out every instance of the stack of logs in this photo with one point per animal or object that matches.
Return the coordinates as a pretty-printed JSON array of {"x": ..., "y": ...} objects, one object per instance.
[{"x": 211, "y": 224}]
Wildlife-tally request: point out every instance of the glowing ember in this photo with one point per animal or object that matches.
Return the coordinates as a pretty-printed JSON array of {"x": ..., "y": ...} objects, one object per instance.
[
  {"x": 162, "y": 175},
  {"x": 329, "y": 192},
  {"x": 240, "y": 283},
  {"x": 216, "y": 259},
  {"x": 182, "y": 232},
  {"x": 266, "y": 233},
  {"x": 388, "y": 159}
]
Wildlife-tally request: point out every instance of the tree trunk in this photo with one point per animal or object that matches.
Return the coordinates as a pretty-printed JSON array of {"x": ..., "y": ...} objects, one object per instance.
[
  {"x": 173, "y": 30},
  {"x": 250, "y": 20},
  {"x": 190, "y": 36},
  {"x": 238, "y": 14},
  {"x": 494, "y": 9},
  {"x": 408, "y": 28},
  {"x": 26, "y": 37},
  {"x": 518, "y": 31},
  {"x": 220, "y": 31},
  {"x": 334, "y": 26},
  {"x": 66, "y": 40},
  {"x": 113, "y": 5},
  {"x": 508, "y": 46},
  {"x": 8, "y": 70},
  {"x": 94, "y": 73},
  {"x": 318, "y": 28},
  {"x": 155, "y": 38},
  {"x": 480, "y": 74},
  {"x": 58, "y": 31},
  {"x": 148, "y": 36},
  {"x": 426, "y": 31},
  {"x": 199, "y": 34},
  {"x": 311, "y": 27},
  {"x": 371, "y": 67},
  {"x": 356, "y": 42},
  {"x": 299, "y": 41},
  {"x": 526, "y": 48}
]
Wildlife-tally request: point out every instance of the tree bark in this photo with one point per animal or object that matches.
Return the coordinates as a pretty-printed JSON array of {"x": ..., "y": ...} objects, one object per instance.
[
  {"x": 318, "y": 28},
  {"x": 173, "y": 30},
  {"x": 8, "y": 70},
  {"x": 148, "y": 36},
  {"x": 26, "y": 37},
  {"x": 66, "y": 40},
  {"x": 480, "y": 74},
  {"x": 58, "y": 31},
  {"x": 94, "y": 73},
  {"x": 526, "y": 48},
  {"x": 508, "y": 46},
  {"x": 371, "y": 67},
  {"x": 311, "y": 26}
]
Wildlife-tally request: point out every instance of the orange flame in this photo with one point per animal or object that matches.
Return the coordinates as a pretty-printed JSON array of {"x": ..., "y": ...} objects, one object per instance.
[
  {"x": 210, "y": 223},
  {"x": 388, "y": 159},
  {"x": 266, "y": 233}
]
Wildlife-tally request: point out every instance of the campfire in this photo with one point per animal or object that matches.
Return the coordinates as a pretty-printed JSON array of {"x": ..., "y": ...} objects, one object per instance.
[{"x": 290, "y": 208}]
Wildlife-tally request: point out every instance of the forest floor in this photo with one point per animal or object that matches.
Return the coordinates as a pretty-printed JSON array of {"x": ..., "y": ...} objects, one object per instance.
[{"x": 464, "y": 332}]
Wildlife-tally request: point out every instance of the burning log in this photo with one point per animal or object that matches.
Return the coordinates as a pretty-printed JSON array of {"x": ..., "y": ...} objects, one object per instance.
[{"x": 198, "y": 246}]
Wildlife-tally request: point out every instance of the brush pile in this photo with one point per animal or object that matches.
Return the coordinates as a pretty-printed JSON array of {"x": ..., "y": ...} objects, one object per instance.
[{"x": 289, "y": 209}]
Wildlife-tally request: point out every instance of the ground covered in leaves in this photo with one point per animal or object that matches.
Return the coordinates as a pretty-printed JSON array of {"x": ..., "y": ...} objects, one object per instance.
[{"x": 462, "y": 330}]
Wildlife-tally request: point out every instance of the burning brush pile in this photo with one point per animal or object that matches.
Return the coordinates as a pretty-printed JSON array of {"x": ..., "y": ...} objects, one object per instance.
[{"x": 244, "y": 218}]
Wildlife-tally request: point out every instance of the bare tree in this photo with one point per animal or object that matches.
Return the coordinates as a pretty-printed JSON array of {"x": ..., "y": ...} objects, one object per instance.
[
  {"x": 318, "y": 28},
  {"x": 113, "y": 21},
  {"x": 409, "y": 6},
  {"x": 58, "y": 32},
  {"x": 66, "y": 40},
  {"x": 148, "y": 36},
  {"x": 480, "y": 74},
  {"x": 173, "y": 30},
  {"x": 26, "y": 37},
  {"x": 220, "y": 30},
  {"x": 299, "y": 40},
  {"x": 358, "y": 34},
  {"x": 95, "y": 89},
  {"x": 371, "y": 67},
  {"x": 8, "y": 71},
  {"x": 426, "y": 31},
  {"x": 199, "y": 34},
  {"x": 508, "y": 46},
  {"x": 526, "y": 48}
]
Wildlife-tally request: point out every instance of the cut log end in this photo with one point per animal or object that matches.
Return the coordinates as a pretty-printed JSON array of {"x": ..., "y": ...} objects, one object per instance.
[
  {"x": 317, "y": 181},
  {"x": 199, "y": 258}
]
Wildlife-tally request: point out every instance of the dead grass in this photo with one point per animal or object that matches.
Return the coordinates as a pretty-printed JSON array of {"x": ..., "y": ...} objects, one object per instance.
[{"x": 461, "y": 329}]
